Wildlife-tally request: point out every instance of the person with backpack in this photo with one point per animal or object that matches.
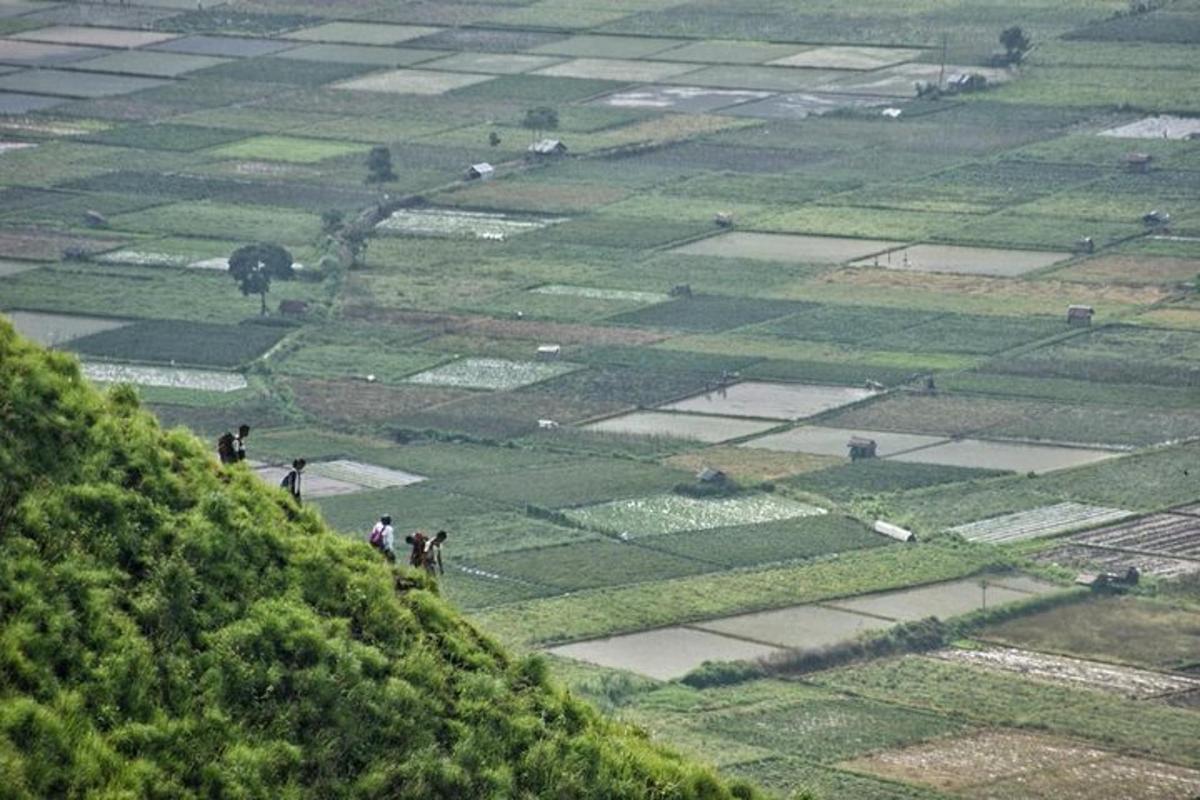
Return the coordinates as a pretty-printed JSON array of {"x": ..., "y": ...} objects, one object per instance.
[
  {"x": 382, "y": 538},
  {"x": 225, "y": 448},
  {"x": 291, "y": 481},
  {"x": 418, "y": 540},
  {"x": 230, "y": 448},
  {"x": 239, "y": 443}
]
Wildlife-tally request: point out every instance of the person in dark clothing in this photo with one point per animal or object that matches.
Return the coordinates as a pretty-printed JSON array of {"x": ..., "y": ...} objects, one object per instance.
[
  {"x": 291, "y": 481},
  {"x": 239, "y": 443}
]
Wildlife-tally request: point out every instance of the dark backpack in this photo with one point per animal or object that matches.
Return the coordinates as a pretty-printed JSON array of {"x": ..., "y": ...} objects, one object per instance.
[
  {"x": 289, "y": 481},
  {"x": 225, "y": 448},
  {"x": 376, "y": 537},
  {"x": 417, "y": 540}
]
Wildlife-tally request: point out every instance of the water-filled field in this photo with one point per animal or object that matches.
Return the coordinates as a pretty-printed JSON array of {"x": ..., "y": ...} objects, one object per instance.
[{"x": 770, "y": 400}]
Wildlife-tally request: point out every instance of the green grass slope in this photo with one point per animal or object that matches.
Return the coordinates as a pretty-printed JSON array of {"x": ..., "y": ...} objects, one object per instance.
[{"x": 170, "y": 628}]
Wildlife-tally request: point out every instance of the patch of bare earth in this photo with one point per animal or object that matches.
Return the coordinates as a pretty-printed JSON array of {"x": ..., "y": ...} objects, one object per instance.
[
  {"x": 959, "y": 762},
  {"x": 1134, "y": 269},
  {"x": 747, "y": 464},
  {"x": 1128, "y": 681},
  {"x": 992, "y": 288}
]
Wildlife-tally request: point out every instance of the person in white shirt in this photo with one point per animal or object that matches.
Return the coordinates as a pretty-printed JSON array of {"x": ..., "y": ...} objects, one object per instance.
[{"x": 383, "y": 536}]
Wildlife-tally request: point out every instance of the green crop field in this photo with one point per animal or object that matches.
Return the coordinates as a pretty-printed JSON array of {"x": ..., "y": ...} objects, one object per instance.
[{"x": 697, "y": 214}]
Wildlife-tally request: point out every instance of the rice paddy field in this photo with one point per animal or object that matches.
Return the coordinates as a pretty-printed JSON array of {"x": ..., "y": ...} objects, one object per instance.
[{"x": 624, "y": 368}]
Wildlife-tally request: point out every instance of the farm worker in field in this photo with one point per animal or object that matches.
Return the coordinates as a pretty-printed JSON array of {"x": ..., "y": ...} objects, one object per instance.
[
  {"x": 291, "y": 481},
  {"x": 383, "y": 538},
  {"x": 433, "y": 554}
]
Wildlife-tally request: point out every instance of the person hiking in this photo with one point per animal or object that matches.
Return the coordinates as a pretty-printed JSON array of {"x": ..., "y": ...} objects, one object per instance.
[
  {"x": 225, "y": 448},
  {"x": 433, "y": 554},
  {"x": 417, "y": 540},
  {"x": 231, "y": 448},
  {"x": 291, "y": 481},
  {"x": 239, "y": 443},
  {"x": 382, "y": 538}
]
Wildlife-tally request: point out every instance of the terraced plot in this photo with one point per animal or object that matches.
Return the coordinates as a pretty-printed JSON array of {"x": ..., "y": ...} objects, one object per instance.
[
  {"x": 412, "y": 81},
  {"x": 1038, "y": 522},
  {"x": 847, "y": 57},
  {"x": 312, "y": 484},
  {"x": 1170, "y": 535},
  {"x": 671, "y": 513},
  {"x": 56, "y": 329},
  {"x": 145, "y": 62},
  {"x": 361, "y": 33},
  {"x": 964, "y": 260},
  {"x": 62, "y": 83},
  {"x": 1008, "y": 764},
  {"x": 95, "y": 37},
  {"x": 615, "y": 69},
  {"x": 367, "y": 476},
  {"x": 167, "y": 377},
  {"x": 673, "y": 652},
  {"x": 595, "y": 293},
  {"x": 447, "y": 222},
  {"x": 43, "y": 54},
  {"x": 786, "y": 247},
  {"x": 687, "y": 99},
  {"x": 945, "y": 600},
  {"x": 835, "y": 441},
  {"x": 1160, "y": 126},
  {"x": 801, "y": 105},
  {"x": 770, "y": 400},
  {"x": 491, "y": 373},
  {"x": 1126, "y": 681},
  {"x": 1010, "y": 456},
  {"x": 223, "y": 46},
  {"x": 801, "y": 626},
  {"x": 1118, "y": 562},
  {"x": 701, "y": 428},
  {"x": 663, "y": 654}
]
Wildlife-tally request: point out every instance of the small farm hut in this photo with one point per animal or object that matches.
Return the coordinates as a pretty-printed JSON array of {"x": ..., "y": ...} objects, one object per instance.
[
  {"x": 711, "y": 475},
  {"x": 680, "y": 290},
  {"x": 723, "y": 219},
  {"x": 480, "y": 172},
  {"x": 549, "y": 352},
  {"x": 861, "y": 447},
  {"x": 1080, "y": 315},
  {"x": 1138, "y": 162},
  {"x": 548, "y": 147}
]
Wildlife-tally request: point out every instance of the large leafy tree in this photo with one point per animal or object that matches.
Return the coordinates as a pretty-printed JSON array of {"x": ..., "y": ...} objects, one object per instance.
[
  {"x": 255, "y": 265},
  {"x": 1016, "y": 44},
  {"x": 542, "y": 118}
]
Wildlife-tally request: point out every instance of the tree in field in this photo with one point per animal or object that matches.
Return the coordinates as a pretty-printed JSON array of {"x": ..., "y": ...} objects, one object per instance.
[
  {"x": 1016, "y": 44},
  {"x": 539, "y": 120},
  {"x": 379, "y": 165},
  {"x": 255, "y": 265}
]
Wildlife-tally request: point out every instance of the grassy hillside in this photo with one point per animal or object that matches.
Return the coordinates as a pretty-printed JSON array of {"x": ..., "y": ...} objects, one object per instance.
[{"x": 170, "y": 628}]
